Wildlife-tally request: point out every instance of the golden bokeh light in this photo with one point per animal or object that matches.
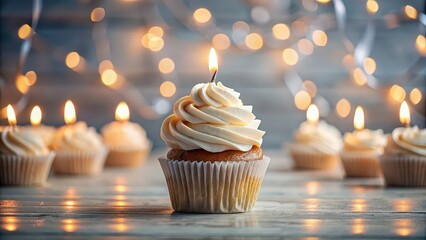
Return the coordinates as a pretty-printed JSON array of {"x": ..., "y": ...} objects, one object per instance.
[
  {"x": 359, "y": 77},
  {"x": 11, "y": 116},
  {"x": 320, "y": 38},
  {"x": 221, "y": 41},
  {"x": 10, "y": 223},
  {"x": 202, "y": 15},
  {"x": 311, "y": 204},
  {"x": 397, "y": 93},
  {"x": 155, "y": 44},
  {"x": 290, "y": 56},
  {"x": 69, "y": 113},
  {"x": 166, "y": 65},
  {"x": 305, "y": 46},
  {"x": 311, "y": 225},
  {"x": 302, "y": 100},
  {"x": 415, "y": 96},
  {"x": 167, "y": 89},
  {"x": 410, "y": 11},
  {"x": 359, "y": 119},
  {"x": 369, "y": 65},
  {"x": 122, "y": 112},
  {"x": 21, "y": 84},
  {"x": 109, "y": 77},
  {"x": 72, "y": 59},
  {"x": 24, "y": 31},
  {"x": 343, "y": 108},
  {"x": 372, "y": 6},
  {"x": 156, "y": 31},
  {"x": 69, "y": 225},
  {"x": 312, "y": 187},
  {"x": 404, "y": 114},
  {"x": 358, "y": 226},
  {"x": 359, "y": 205},
  {"x": 36, "y": 115},
  {"x": 120, "y": 188},
  {"x": 310, "y": 87},
  {"x": 31, "y": 77},
  {"x": 104, "y": 65},
  {"x": 281, "y": 31},
  {"x": 254, "y": 41},
  {"x": 403, "y": 227},
  {"x": 323, "y": 1},
  {"x": 421, "y": 45},
  {"x": 402, "y": 205},
  {"x": 97, "y": 14}
]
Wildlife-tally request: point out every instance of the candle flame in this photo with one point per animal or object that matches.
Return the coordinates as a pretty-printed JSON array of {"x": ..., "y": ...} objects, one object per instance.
[
  {"x": 122, "y": 112},
  {"x": 69, "y": 113},
  {"x": 312, "y": 114},
  {"x": 36, "y": 116},
  {"x": 404, "y": 114},
  {"x": 359, "y": 118},
  {"x": 11, "y": 117},
  {"x": 213, "y": 65}
]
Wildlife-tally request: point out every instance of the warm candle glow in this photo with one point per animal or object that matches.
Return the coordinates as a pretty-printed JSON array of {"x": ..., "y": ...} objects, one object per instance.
[
  {"x": 359, "y": 118},
  {"x": 213, "y": 66},
  {"x": 36, "y": 115},
  {"x": 312, "y": 115},
  {"x": 404, "y": 114},
  {"x": 122, "y": 112},
  {"x": 11, "y": 117},
  {"x": 69, "y": 113}
]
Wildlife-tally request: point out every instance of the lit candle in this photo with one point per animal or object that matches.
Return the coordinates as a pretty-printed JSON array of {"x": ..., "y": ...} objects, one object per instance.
[
  {"x": 359, "y": 119},
  {"x": 122, "y": 113},
  {"x": 404, "y": 114},
  {"x": 69, "y": 113},
  {"x": 213, "y": 65},
  {"x": 36, "y": 116},
  {"x": 312, "y": 114},
  {"x": 11, "y": 117}
]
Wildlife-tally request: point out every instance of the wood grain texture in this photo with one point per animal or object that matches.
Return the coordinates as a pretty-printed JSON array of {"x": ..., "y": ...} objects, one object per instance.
[{"x": 134, "y": 203}]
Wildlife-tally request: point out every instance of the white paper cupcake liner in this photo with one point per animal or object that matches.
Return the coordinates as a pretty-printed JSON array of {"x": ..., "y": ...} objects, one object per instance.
[
  {"x": 305, "y": 159},
  {"x": 119, "y": 156},
  {"x": 25, "y": 170},
  {"x": 361, "y": 165},
  {"x": 218, "y": 187},
  {"x": 408, "y": 171},
  {"x": 80, "y": 162}
]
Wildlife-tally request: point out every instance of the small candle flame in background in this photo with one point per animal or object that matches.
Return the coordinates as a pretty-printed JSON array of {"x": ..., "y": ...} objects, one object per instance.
[
  {"x": 122, "y": 113},
  {"x": 69, "y": 113},
  {"x": 213, "y": 65},
  {"x": 312, "y": 114},
  {"x": 36, "y": 116},
  {"x": 11, "y": 117},
  {"x": 404, "y": 114},
  {"x": 359, "y": 118}
]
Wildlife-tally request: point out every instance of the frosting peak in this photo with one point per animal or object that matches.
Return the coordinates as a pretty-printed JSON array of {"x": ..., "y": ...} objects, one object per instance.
[
  {"x": 365, "y": 140},
  {"x": 21, "y": 142},
  {"x": 76, "y": 137},
  {"x": 213, "y": 118},
  {"x": 409, "y": 139},
  {"x": 124, "y": 134}
]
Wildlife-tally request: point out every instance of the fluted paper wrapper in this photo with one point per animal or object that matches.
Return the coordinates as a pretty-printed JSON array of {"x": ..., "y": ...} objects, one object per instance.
[
  {"x": 126, "y": 157},
  {"x": 361, "y": 165},
  {"x": 408, "y": 171},
  {"x": 80, "y": 162},
  {"x": 25, "y": 170},
  {"x": 305, "y": 159},
  {"x": 218, "y": 187}
]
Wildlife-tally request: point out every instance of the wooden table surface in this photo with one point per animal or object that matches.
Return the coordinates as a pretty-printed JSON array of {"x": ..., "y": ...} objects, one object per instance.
[{"x": 134, "y": 203}]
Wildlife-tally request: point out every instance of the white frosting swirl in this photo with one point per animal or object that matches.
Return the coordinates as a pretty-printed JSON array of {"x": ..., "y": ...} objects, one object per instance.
[
  {"x": 365, "y": 140},
  {"x": 412, "y": 140},
  {"x": 124, "y": 134},
  {"x": 15, "y": 140},
  {"x": 76, "y": 137},
  {"x": 321, "y": 137},
  {"x": 212, "y": 118},
  {"x": 45, "y": 132}
]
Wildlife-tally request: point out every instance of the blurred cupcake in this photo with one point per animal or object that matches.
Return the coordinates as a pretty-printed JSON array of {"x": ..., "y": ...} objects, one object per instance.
[
  {"x": 404, "y": 161},
  {"x": 362, "y": 149},
  {"x": 79, "y": 149},
  {"x": 126, "y": 141},
  {"x": 45, "y": 132},
  {"x": 24, "y": 158},
  {"x": 316, "y": 143},
  {"x": 215, "y": 164}
]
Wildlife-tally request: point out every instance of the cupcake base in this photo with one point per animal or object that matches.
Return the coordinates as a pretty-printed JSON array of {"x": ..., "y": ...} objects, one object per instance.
[
  {"x": 214, "y": 187},
  {"x": 79, "y": 162},
  {"x": 24, "y": 170},
  {"x": 407, "y": 171},
  {"x": 361, "y": 166},
  {"x": 304, "y": 159},
  {"x": 126, "y": 158}
]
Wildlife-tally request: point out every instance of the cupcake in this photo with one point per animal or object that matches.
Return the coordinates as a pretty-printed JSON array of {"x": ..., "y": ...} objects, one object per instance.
[
  {"x": 404, "y": 160},
  {"x": 79, "y": 150},
  {"x": 126, "y": 141},
  {"x": 316, "y": 146},
  {"x": 361, "y": 152},
  {"x": 46, "y": 133},
  {"x": 215, "y": 164},
  {"x": 24, "y": 158}
]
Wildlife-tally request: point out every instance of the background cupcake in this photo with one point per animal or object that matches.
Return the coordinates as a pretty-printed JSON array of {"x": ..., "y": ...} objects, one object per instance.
[
  {"x": 126, "y": 141},
  {"x": 362, "y": 149},
  {"x": 316, "y": 143},
  {"x": 215, "y": 164}
]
